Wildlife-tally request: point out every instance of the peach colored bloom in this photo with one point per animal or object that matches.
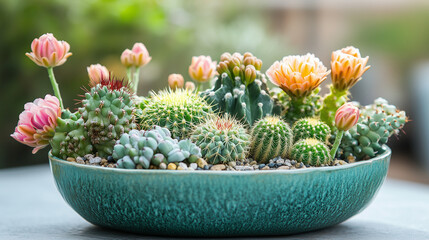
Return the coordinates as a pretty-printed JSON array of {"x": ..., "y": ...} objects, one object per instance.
[
  {"x": 36, "y": 125},
  {"x": 137, "y": 57},
  {"x": 202, "y": 68},
  {"x": 190, "y": 86},
  {"x": 96, "y": 73},
  {"x": 298, "y": 76},
  {"x": 175, "y": 81},
  {"x": 347, "y": 67},
  {"x": 47, "y": 51},
  {"x": 346, "y": 116}
]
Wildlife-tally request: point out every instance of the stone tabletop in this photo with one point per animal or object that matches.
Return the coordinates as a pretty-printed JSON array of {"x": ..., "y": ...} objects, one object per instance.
[{"x": 32, "y": 208}]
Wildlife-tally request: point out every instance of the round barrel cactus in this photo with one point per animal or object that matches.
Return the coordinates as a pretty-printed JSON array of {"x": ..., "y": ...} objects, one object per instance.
[
  {"x": 221, "y": 139},
  {"x": 271, "y": 137},
  {"x": 311, "y": 128},
  {"x": 311, "y": 151},
  {"x": 179, "y": 111}
]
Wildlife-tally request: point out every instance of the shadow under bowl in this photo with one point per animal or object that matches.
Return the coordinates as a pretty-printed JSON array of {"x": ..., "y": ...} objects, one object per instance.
[{"x": 219, "y": 203}]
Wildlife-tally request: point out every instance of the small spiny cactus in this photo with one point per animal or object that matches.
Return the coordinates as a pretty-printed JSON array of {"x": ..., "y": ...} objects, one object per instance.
[
  {"x": 311, "y": 128},
  {"x": 311, "y": 151},
  {"x": 179, "y": 111},
  {"x": 271, "y": 137},
  {"x": 221, "y": 139}
]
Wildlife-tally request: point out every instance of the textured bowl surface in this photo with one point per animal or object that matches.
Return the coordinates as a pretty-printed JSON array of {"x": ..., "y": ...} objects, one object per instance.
[{"x": 219, "y": 203}]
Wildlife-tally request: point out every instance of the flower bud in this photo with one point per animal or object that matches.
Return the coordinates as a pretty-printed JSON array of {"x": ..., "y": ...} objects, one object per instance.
[
  {"x": 346, "y": 117},
  {"x": 96, "y": 73},
  {"x": 202, "y": 68},
  {"x": 190, "y": 86},
  {"x": 137, "y": 57},
  {"x": 175, "y": 81},
  {"x": 47, "y": 51}
]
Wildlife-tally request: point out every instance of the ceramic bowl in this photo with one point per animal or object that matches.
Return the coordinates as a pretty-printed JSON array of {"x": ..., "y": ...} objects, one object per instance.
[{"x": 219, "y": 203}]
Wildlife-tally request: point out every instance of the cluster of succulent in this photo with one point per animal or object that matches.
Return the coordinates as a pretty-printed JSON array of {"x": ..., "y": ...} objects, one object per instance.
[
  {"x": 236, "y": 118},
  {"x": 140, "y": 149}
]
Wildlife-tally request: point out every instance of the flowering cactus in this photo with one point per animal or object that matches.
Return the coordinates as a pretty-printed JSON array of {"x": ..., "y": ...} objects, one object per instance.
[
  {"x": 96, "y": 73},
  {"x": 345, "y": 118},
  {"x": 298, "y": 76},
  {"x": 175, "y": 81},
  {"x": 36, "y": 125},
  {"x": 133, "y": 59},
  {"x": 347, "y": 67},
  {"x": 202, "y": 69},
  {"x": 48, "y": 52},
  {"x": 190, "y": 86}
]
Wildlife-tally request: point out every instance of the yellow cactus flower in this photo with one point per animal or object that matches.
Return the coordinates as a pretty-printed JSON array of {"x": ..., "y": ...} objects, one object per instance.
[
  {"x": 298, "y": 76},
  {"x": 347, "y": 68}
]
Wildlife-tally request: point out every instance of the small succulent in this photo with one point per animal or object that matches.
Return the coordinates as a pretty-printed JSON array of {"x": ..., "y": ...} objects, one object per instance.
[
  {"x": 271, "y": 137},
  {"x": 155, "y": 146},
  {"x": 221, "y": 139},
  {"x": 311, "y": 152}
]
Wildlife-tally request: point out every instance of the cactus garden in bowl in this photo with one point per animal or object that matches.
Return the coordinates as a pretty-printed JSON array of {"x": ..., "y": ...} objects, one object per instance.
[{"x": 239, "y": 158}]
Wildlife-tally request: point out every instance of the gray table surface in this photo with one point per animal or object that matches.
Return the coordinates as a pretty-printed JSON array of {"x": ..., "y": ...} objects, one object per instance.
[{"x": 32, "y": 208}]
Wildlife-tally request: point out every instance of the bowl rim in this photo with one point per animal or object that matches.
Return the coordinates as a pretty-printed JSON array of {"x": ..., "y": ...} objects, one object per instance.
[{"x": 387, "y": 152}]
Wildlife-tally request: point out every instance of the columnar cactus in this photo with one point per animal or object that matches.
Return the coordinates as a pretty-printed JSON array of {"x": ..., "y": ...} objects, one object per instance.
[
  {"x": 377, "y": 123},
  {"x": 270, "y": 137},
  {"x": 311, "y": 128},
  {"x": 311, "y": 151},
  {"x": 179, "y": 111},
  {"x": 241, "y": 90},
  {"x": 71, "y": 137},
  {"x": 347, "y": 67},
  {"x": 155, "y": 146},
  {"x": 221, "y": 139},
  {"x": 108, "y": 112}
]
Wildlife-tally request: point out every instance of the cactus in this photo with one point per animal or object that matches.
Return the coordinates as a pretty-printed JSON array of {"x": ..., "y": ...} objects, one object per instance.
[
  {"x": 108, "y": 112},
  {"x": 311, "y": 151},
  {"x": 221, "y": 139},
  {"x": 241, "y": 90},
  {"x": 311, "y": 128},
  {"x": 71, "y": 137},
  {"x": 179, "y": 111},
  {"x": 152, "y": 147},
  {"x": 377, "y": 123},
  {"x": 331, "y": 102},
  {"x": 270, "y": 137}
]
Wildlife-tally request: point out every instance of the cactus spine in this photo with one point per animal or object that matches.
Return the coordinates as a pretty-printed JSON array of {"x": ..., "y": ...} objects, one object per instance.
[
  {"x": 241, "y": 90},
  {"x": 311, "y": 151},
  {"x": 221, "y": 139},
  {"x": 179, "y": 111},
  {"x": 271, "y": 137}
]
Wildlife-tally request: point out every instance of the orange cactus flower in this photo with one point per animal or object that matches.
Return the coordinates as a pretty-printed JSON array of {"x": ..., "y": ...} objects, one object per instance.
[
  {"x": 347, "y": 68},
  {"x": 298, "y": 76}
]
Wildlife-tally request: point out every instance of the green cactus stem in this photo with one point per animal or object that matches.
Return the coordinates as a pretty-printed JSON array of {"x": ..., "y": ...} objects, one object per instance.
[
  {"x": 331, "y": 102},
  {"x": 55, "y": 86}
]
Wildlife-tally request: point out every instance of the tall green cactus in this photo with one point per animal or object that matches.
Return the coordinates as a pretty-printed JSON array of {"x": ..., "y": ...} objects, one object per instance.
[
  {"x": 241, "y": 90},
  {"x": 271, "y": 137}
]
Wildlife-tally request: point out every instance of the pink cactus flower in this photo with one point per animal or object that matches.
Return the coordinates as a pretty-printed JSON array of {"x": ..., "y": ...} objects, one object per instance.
[
  {"x": 48, "y": 52},
  {"x": 36, "y": 125},
  {"x": 175, "y": 81},
  {"x": 202, "y": 68},
  {"x": 96, "y": 73},
  {"x": 138, "y": 56},
  {"x": 190, "y": 86},
  {"x": 346, "y": 117}
]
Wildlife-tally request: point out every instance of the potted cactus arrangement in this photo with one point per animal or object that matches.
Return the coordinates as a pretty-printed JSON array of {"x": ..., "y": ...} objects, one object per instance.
[{"x": 235, "y": 159}]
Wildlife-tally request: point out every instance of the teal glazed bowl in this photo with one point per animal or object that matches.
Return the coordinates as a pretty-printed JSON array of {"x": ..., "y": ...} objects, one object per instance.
[{"x": 219, "y": 203}]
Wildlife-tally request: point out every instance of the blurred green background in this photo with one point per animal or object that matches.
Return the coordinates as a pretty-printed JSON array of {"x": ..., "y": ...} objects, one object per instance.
[{"x": 395, "y": 34}]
